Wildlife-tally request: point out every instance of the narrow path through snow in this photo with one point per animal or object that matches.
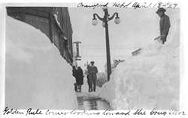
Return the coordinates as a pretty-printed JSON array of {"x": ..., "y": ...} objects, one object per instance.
[{"x": 87, "y": 101}]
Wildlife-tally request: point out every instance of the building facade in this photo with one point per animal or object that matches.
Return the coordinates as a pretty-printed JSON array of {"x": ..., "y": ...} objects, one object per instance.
[{"x": 54, "y": 22}]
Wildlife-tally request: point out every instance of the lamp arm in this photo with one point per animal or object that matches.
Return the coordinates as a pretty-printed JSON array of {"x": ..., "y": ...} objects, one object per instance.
[
  {"x": 97, "y": 16},
  {"x": 110, "y": 18}
]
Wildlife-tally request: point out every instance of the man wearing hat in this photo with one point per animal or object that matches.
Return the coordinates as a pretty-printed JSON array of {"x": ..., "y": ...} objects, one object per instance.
[
  {"x": 92, "y": 71},
  {"x": 164, "y": 24}
]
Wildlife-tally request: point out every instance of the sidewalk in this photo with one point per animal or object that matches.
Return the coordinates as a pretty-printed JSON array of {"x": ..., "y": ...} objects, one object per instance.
[{"x": 91, "y": 100}]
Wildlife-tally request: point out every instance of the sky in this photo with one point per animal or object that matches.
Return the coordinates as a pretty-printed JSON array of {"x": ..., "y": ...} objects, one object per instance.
[{"x": 138, "y": 27}]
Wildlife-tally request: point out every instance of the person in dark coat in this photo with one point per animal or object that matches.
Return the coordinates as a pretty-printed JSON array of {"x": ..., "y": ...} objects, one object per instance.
[
  {"x": 74, "y": 75},
  {"x": 92, "y": 71},
  {"x": 78, "y": 74},
  {"x": 164, "y": 24}
]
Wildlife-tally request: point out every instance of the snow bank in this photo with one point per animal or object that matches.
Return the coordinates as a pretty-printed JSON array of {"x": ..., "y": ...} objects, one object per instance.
[
  {"x": 36, "y": 75},
  {"x": 148, "y": 80}
]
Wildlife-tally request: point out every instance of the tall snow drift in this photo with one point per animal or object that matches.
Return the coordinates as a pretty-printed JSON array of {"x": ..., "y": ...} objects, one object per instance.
[
  {"x": 148, "y": 80},
  {"x": 36, "y": 75}
]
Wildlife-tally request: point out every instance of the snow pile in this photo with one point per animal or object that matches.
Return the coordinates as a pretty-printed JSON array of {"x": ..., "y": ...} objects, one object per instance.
[
  {"x": 36, "y": 75},
  {"x": 148, "y": 80}
]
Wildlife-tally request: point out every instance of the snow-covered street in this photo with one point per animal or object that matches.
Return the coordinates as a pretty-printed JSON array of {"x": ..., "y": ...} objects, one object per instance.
[
  {"x": 88, "y": 101},
  {"x": 91, "y": 100},
  {"x": 38, "y": 77},
  {"x": 53, "y": 93}
]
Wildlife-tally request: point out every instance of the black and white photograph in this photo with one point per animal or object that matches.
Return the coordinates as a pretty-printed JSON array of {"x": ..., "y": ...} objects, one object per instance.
[
  {"x": 103, "y": 56},
  {"x": 81, "y": 58}
]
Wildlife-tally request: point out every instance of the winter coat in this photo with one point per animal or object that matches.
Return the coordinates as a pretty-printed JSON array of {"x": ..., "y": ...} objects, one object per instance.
[
  {"x": 164, "y": 26},
  {"x": 78, "y": 74},
  {"x": 92, "y": 72}
]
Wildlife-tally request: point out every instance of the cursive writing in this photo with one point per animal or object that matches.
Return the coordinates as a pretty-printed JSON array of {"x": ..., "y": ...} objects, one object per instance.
[
  {"x": 136, "y": 112},
  {"x": 11, "y": 111},
  {"x": 132, "y": 4},
  {"x": 92, "y": 5},
  {"x": 139, "y": 112},
  {"x": 30, "y": 111}
]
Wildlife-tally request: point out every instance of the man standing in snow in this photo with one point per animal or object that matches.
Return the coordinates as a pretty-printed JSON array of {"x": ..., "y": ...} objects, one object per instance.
[
  {"x": 92, "y": 71},
  {"x": 164, "y": 25}
]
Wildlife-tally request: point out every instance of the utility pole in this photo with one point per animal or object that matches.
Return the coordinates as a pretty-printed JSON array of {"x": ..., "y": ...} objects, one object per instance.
[{"x": 105, "y": 20}]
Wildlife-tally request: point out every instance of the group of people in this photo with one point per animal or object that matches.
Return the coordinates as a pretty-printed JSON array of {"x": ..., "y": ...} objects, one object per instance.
[{"x": 91, "y": 77}]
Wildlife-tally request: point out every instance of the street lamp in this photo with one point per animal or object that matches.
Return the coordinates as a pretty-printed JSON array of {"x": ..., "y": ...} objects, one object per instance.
[
  {"x": 105, "y": 20},
  {"x": 77, "y": 56}
]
